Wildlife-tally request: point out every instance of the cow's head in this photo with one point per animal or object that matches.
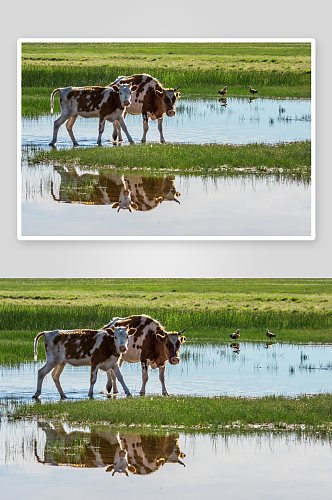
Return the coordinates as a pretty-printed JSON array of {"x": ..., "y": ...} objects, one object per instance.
[
  {"x": 168, "y": 96},
  {"x": 124, "y": 90},
  {"x": 125, "y": 202},
  {"x": 121, "y": 336},
  {"x": 121, "y": 464},
  {"x": 172, "y": 343}
]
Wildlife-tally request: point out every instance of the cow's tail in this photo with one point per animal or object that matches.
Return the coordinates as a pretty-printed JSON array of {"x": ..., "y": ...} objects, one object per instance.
[
  {"x": 36, "y": 343},
  {"x": 52, "y": 97}
]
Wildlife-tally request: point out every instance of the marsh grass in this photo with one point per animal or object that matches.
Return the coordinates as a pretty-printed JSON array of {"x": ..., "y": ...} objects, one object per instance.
[
  {"x": 294, "y": 158},
  {"x": 189, "y": 412},
  {"x": 277, "y": 70}
]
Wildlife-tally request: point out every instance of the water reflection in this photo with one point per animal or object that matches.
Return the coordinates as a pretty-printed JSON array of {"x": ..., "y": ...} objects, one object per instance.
[
  {"x": 226, "y": 464},
  {"x": 72, "y": 201},
  {"x": 104, "y": 187},
  {"x": 118, "y": 452}
]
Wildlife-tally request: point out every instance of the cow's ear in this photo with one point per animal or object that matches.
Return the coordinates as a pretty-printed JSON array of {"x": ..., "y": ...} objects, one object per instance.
[
  {"x": 182, "y": 339},
  {"x": 134, "y": 88},
  {"x": 132, "y": 469},
  {"x": 132, "y": 331},
  {"x": 134, "y": 206},
  {"x": 110, "y": 331},
  {"x": 161, "y": 338},
  {"x": 158, "y": 93},
  {"x": 110, "y": 468},
  {"x": 115, "y": 205},
  {"x": 115, "y": 88}
]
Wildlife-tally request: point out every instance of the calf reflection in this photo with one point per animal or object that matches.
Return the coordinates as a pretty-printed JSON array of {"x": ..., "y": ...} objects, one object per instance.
[
  {"x": 118, "y": 452},
  {"x": 124, "y": 192}
]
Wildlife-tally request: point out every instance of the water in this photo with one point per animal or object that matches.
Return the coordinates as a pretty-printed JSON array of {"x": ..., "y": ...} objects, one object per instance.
[
  {"x": 209, "y": 369},
  {"x": 71, "y": 202},
  {"x": 63, "y": 462},
  {"x": 197, "y": 121}
]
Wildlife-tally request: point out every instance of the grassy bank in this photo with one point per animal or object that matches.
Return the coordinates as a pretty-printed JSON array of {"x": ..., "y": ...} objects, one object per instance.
[
  {"x": 292, "y": 159},
  {"x": 295, "y": 310},
  {"x": 311, "y": 412},
  {"x": 277, "y": 70}
]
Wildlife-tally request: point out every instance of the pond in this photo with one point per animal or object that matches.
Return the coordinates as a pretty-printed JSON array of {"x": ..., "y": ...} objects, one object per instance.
[
  {"x": 197, "y": 121},
  {"x": 62, "y": 462},
  {"x": 206, "y": 369},
  {"x": 73, "y": 202}
]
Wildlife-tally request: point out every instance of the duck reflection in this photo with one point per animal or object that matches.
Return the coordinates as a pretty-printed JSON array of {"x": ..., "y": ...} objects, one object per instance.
[
  {"x": 123, "y": 192},
  {"x": 235, "y": 346},
  {"x": 121, "y": 453}
]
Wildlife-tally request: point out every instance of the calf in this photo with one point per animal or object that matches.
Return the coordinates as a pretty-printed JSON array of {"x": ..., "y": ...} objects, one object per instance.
[
  {"x": 100, "y": 349},
  {"x": 105, "y": 103},
  {"x": 150, "y": 99},
  {"x": 151, "y": 346}
]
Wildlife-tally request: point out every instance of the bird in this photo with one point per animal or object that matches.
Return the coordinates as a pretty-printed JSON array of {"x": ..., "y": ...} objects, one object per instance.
[
  {"x": 269, "y": 334},
  {"x": 253, "y": 91},
  {"x": 223, "y": 91},
  {"x": 235, "y": 335}
]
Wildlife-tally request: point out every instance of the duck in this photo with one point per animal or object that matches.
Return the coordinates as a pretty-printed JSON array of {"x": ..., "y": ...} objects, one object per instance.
[
  {"x": 253, "y": 91},
  {"x": 223, "y": 91},
  {"x": 269, "y": 334},
  {"x": 235, "y": 335}
]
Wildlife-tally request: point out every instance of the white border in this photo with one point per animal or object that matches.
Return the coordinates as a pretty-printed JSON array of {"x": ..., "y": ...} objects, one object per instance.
[{"x": 312, "y": 41}]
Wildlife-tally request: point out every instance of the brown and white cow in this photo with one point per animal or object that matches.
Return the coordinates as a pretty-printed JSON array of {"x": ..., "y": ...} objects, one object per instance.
[
  {"x": 100, "y": 349},
  {"x": 105, "y": 103},
  {"x": 151, "y": 100},
  {"x": 151, "y": 346}
]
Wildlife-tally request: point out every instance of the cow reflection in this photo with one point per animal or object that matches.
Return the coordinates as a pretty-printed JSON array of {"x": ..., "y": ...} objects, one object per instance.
[
  {"x": 123, "y": 192},
  {"x": 119, "y": 453}
]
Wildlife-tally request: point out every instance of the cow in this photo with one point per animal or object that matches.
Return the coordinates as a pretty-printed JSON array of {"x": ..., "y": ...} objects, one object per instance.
[
  {"x": 105, "y": 103},
  {"x": 151, "y": 100},
  {"x": 151, "y": 346},
  {"x": 100, "y": 349}
]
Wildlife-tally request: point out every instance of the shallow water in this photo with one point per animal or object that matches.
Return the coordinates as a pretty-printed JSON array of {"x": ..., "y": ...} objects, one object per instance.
[
  {"x": 209, "y": 369},
  {"x": 196, "y": 121},
  {"x": 63, "y": 462},
  {"x": 72, "y": 202}
]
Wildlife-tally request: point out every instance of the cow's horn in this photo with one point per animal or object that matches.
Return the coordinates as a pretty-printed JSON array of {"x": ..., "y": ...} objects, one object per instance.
[
  {"x": 177, "y": 88},
  {"x": 182, "y": 331}
]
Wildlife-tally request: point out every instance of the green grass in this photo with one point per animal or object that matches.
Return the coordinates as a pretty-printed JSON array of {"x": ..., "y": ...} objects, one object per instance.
[
  {"x": 295, "y": 310},
  {"x": 293, "y": 158},
  {"x": 313, "y": 412},
  {"x": 277, "y": 70}
]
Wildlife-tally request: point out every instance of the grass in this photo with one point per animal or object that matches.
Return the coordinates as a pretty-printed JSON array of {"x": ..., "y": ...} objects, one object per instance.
[
  {"x": 311, "y": 412},
  {"x": 295, "y": 310},
  {"x": 290, "y": 159},
  {"x": 277, "y": 70}
]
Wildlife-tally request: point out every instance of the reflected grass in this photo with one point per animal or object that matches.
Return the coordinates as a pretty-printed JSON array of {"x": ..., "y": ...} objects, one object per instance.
[{"x": 311, "y": 412}]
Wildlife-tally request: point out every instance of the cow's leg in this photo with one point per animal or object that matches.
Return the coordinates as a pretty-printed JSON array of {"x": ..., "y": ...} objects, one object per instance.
[
  {"x": 93, "y": 379},
  {"x": 111, "y": 380},
  {"x": 117, "y": 131},
  {"x": 56, "y": 377},
  {"x": 57, "y": 125},
  {"x": 145, "y": 376},
  {"x": 145, "y": 126},
  {"x": 160, "y": 128},
  {"x": 42, "y": 372},
  {"x": 101, "y": 130},
  {"x": 69, "y": 126},
  {"x": 162, "y": 380},
  {"x": 124, "y": 128},
  {"x": 119, "y": 376}
]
